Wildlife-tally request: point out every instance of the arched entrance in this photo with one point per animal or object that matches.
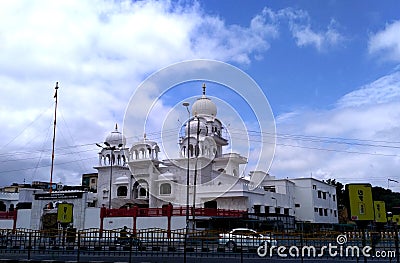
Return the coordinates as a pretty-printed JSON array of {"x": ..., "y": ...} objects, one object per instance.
[
  {"x": 211, "y": 204},
  {"x": 3, "y": 207}
]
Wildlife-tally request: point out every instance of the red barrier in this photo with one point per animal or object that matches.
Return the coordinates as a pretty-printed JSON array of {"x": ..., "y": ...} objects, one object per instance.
[
  {"x": 176, "y": 211},
  {"x": 8, "y": 215}
]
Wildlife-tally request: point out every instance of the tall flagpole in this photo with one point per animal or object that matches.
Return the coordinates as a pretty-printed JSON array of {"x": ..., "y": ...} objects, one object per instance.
[{"x": 54, "y": 139}]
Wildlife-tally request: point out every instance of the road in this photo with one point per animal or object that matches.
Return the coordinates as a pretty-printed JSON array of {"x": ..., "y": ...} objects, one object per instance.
[{"x": 157, "y": 256}]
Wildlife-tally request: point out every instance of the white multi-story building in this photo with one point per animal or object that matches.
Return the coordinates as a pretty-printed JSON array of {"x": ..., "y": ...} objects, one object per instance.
[{"x": 315, "y": 201}]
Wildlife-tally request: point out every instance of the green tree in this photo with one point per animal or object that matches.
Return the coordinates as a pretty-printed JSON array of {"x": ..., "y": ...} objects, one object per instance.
[
  {"x": 392, "y": 199},
  {"x": 340, "y": 192}
]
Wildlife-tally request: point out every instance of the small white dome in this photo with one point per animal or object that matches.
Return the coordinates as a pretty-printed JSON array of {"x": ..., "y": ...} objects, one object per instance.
[
  {"x": 122, "y": 180},
  {"x": 115, "y": 138}
]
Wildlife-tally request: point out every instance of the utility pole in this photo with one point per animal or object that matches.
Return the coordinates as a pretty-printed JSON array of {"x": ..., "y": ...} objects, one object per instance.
[{"x": 54, "y": 138}]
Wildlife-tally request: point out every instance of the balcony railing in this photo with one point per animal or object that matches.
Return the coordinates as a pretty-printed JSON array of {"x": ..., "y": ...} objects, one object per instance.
[{"x": 175, "y": 211}]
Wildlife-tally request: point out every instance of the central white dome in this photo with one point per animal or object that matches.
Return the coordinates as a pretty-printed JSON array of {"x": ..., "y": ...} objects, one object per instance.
[{"x": 204, "y": 106}]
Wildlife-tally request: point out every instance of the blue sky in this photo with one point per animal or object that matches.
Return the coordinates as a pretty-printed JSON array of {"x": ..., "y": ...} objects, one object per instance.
[
  {"x": 330, "y": 71},
  {"x": 312, "y": 77}
]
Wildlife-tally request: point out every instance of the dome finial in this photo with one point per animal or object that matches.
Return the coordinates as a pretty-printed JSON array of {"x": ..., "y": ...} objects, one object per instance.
[
  {"x": 116, "y": 126},
  {"x": 204, "y": 89}
]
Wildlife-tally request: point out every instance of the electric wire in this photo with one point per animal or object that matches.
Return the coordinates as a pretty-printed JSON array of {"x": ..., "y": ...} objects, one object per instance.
[{"x": 255, "y": 136}]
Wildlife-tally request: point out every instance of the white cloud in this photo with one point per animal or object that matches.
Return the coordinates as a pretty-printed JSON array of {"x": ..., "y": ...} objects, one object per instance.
[
  {"x": 386, "y": 42},
  {"x": 321, "y": 40},
  {"x": 356, "y": 141},
  {"x": 99, "y": 51},
  {"x": 383, "y": 90}
]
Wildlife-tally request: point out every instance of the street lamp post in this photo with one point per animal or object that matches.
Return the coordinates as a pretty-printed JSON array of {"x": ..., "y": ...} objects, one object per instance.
[
  {"x": 112, "y": 149},
  {"x": 186, "y": 104},
  {"x": 197, "y": 151}
]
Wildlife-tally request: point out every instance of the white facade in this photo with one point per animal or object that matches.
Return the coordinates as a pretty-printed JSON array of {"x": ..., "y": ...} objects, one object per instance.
[
  {"x": 10, "y": 200},
  {"x": 315, "y": 201}
]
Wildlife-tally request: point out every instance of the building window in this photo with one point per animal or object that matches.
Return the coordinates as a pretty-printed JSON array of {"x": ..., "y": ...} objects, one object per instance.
[
  {"x": 316, "y": 209},
  {"x": 165, "y": 189},
  {"x": 321, "y": 212},
  {"x": 319, "y": 194},
  {"x": 277, "y": 210},
  {"x": 314, "y": 186},
  {"x": 93, "y": 180},
  {"x": 270, "y": 188},
  {"x": 257, "y": 209},
  {"x": 334, "y": 198},
  {"x": 296, "y": 205},
  {"x": 286, "y": 211},
  {"x": 324, "y": 195},
  {"x": 266, "y": 210},
  {"x": 122, "y": 191},
  {"x": 334, "y": 213},
  {"x": 325, "y": 212}
]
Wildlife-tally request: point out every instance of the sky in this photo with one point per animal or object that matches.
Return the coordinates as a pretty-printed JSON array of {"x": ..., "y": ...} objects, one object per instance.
[{"x": 329, "y": 69}]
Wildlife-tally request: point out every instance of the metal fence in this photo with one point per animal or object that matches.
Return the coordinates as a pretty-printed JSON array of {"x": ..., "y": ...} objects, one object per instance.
[{"x": 32, "y": 244}]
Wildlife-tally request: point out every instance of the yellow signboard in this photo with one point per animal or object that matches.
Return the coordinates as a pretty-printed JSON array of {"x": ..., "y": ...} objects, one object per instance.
[
  {"x": 65, "y": 213},
  {"x": 396, "y": 219},
  {"x": 380, "y": 212},
  {"x": 361, "y": 204}
]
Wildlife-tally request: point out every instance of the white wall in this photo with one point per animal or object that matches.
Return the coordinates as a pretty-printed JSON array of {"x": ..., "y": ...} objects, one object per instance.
[
  {"x": 92, "y": 217},
  {"x": 117, "y": 222},
  {"x": 152, "y": 222},
  {"x": 6, "y": 224},
  {"x": 178, "y": 222},
  {"x": 24, "y": 218}
]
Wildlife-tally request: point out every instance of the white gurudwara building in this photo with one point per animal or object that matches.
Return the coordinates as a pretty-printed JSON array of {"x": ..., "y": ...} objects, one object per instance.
[{"x": 140, "y": 178}]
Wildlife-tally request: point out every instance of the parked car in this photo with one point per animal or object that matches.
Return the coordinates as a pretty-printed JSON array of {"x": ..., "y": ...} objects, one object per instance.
[{"x": 244, "y": 237}]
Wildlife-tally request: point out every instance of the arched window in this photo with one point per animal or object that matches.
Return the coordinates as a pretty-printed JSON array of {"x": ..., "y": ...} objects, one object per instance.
[
  {"x": 191, "y": 150},
  {"x": 122, "y": 191},
  {"x": 165, "y": 189},
  {"x": 142, "y": 189}
]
